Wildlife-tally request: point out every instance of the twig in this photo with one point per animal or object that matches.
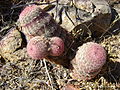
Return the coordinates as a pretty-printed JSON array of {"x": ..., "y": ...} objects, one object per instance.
[{"x": 48, "y": 73}]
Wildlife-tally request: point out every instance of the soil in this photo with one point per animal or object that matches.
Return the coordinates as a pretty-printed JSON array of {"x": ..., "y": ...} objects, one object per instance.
[{"x": 44, "y": 75}]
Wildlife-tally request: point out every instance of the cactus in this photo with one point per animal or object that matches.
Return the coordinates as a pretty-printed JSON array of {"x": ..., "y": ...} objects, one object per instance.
[
  {"x": 36, "y": 22},
  {"x": 57, "y": 46},
  {"x": 37, "y": 47},
  {"x": 40, "y": 47},
  {"x": 88, "y": 61}
]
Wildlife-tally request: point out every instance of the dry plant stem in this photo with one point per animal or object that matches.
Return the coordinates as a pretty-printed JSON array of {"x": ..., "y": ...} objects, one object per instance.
[{"x": 48, "y": 73}]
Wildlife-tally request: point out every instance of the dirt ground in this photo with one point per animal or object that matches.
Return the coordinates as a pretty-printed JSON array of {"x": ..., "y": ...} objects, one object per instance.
[{"x": 44, "y": 75}]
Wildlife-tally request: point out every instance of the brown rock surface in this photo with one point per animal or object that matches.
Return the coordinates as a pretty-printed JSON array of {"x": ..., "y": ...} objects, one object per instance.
[
  {"x": 11, "y": 46},
  {"x": 96, "y": 14}
]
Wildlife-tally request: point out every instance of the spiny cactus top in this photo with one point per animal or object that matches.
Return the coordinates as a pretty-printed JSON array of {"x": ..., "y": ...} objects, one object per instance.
[{"x": 89, "y": 60}]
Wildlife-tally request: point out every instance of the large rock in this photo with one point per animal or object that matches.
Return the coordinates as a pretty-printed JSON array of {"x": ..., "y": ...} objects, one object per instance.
[
  {"x": 11, "y": 46},
  {"x": 95, "y": 14}
]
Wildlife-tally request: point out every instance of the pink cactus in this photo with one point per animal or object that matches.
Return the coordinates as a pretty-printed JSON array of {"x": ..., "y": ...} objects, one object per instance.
[
  {"x": 88, "y": 61},
  {"x": 31, "y": 14},
  {"x": 24, "y": 14},
  {"x": 37, "y": 48},
  {"x": 36, "y": 22},
  {"x": 57, "y": 46},
  {"x": 33, "y": 21}
]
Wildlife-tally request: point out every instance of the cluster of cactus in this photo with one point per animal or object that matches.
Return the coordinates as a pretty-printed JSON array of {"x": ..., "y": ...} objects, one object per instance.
[
  {"x": 39, "y": 47},
  {"x": 46, "y": 39}
]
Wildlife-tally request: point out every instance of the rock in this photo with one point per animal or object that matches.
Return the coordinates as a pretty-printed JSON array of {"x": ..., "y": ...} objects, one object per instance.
[
  {"x": 11, "y": 46},
  {"x": 11, "y": 41},
  {"x": 96, "y": 14}
]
